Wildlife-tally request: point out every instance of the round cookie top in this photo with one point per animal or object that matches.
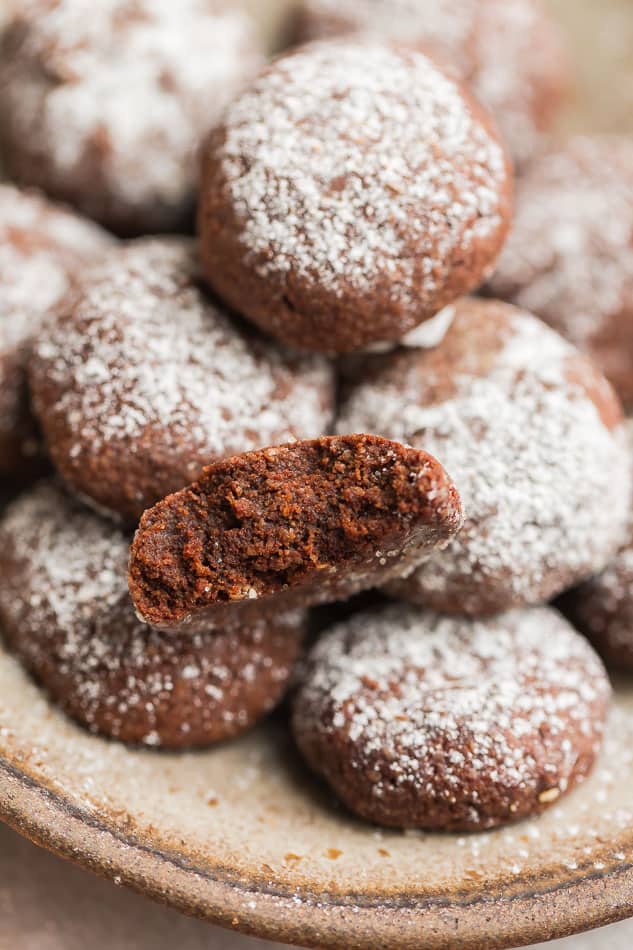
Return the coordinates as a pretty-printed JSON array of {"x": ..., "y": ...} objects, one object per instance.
[
  {"x": 351, "y": 192},
  {"x": 66, "y": 611},
  {"x": 104, "y": 107},
  {"x": 42, "y": 246},
  {"x": 143, "y": 380},
  {"x": 602, "y": 607},
  {"x": 530, "y": 433},
  {"x": 569, "y": 257},
  {"x": 419, "y": 720},
  {"x": 509, "y": 52}
]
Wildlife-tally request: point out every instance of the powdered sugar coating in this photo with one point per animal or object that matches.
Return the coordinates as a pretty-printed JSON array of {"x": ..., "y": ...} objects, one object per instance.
[
  {"x": 569, "y": 257},
  {"x": 274, "y": 170},
  {"x": 419, "y": 720},
  {"x": 105, "y": 106},
  {"x": 603, "y": 606},
  {"x": 508, "y": 51},
  {"x": 41, "y": 247},
  {"x": 145, "y": 380},
  {"x": 357, "y": 174},
  {"x": 65, "y": 608},
  {"x": 530, "y": 434}
]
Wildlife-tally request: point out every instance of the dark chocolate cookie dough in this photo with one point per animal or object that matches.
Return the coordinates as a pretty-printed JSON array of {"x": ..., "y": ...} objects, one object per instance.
[
  {"x": 569, "y": 257},
  {"x": 142, "y": 380},
  {"x": 532, "y": 435},
  {"x": 509, "y": 52},
  {"x": 42, "y": 247},
  {"x": 602, "y": 607},
  {"x": 66, "y": 612},
  {"x": 303, "y": 523},
  {"x": 104, "y": 104},
  {"x": 423, "y": 721},
  {"x": 350, "y": 193}
]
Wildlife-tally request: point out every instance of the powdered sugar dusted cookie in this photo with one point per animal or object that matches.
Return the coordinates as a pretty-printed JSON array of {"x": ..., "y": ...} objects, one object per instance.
[
  {"x": 104, "y": 105},
  {"x": 602, "y": 608},
  {"x": 143, "y": 380},
  {"x": 569, "y": 257},
  {"x": 298, "y": 524},
  {"x": 509, "y": 52},
  {"x": 423, "y": 721},
  {"x": 351, "y": 192},
  {"x": 42, "y": 247},
  {"x": 532, "y": 436},
  {"x": 66, "y": 612}
]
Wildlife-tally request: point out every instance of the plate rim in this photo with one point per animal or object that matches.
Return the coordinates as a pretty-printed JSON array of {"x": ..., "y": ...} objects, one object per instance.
[{"x": 51, "y": 821}]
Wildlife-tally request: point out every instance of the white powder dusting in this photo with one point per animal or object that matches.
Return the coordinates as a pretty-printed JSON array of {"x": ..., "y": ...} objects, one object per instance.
[
  {"x": 147, "y": 359},
  {"x": 338, "y": 175},
  {"x": 65, "y": 607},
  {"x": 41, "y": 245},
  {"x": 569, "y": 257},
  {"x": 603, "y": 606},
  {"x": 430, "y": 709},
  {"x": 507, "y": 50},
  {"x": 139, "y": 80},
  {"x": 545, "y": 485}
]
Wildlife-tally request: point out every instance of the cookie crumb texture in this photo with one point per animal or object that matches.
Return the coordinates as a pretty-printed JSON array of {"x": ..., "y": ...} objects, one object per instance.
[
  {"x": 142, "y": 380},
  {"x": 104, "y": 106},
  {"x": 351, "y": 192},
  {"x": 65, "y": 611},
  {"x": 602, "y": 607},
  {"x": 42, "y": 247},
  {"x": 569, "y": 256},
  {"x": 533, "y": 437},
  {"x": 301, "y": 524},
  {"x": 423, "y": 721},
  {"x": 510, "y": 52}
]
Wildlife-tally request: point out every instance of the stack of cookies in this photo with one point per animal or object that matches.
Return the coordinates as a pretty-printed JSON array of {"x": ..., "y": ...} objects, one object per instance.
[{"x": 380, "y": 378}]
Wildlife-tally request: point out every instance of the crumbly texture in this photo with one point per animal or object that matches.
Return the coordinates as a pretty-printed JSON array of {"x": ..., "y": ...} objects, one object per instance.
[
  {"x": 351, "y": 192},
  {"x": 142, "y": 380},
  {"x": 602, "y": 607},
  {"x": 569, "y": 257},
  {"x": 299, "y": 524},
  {"x": 42, "y": 246},
  {"x": 66, "y": 612},
  {"x": 104, "y": 105},
  {"x": 510, "y": 52},
  {"x": 532, "y": 436},
  {"x": 423, "y": 721}
]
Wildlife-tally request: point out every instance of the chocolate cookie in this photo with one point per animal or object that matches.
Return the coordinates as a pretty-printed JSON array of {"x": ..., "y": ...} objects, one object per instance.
[
  {"x": 104, "y": 106},
  {"x": 66, "y": 612},
  {"x": 531, "y": 434},
  {"x": 509, "y": 52},
  {"x": 42, "y": 246},
  {"x": 142, "y": 380},
  {"x": 301, "y": 524},
  {"x": 602, "y": 608},
  {"x": 351, "y": 192},
  {"x": 569, "y": 257},
  {"x": 423, "y": 721}
]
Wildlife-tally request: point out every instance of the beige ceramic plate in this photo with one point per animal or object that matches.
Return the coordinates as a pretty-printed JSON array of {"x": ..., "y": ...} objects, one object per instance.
[{"x": 243, "y": 837}]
